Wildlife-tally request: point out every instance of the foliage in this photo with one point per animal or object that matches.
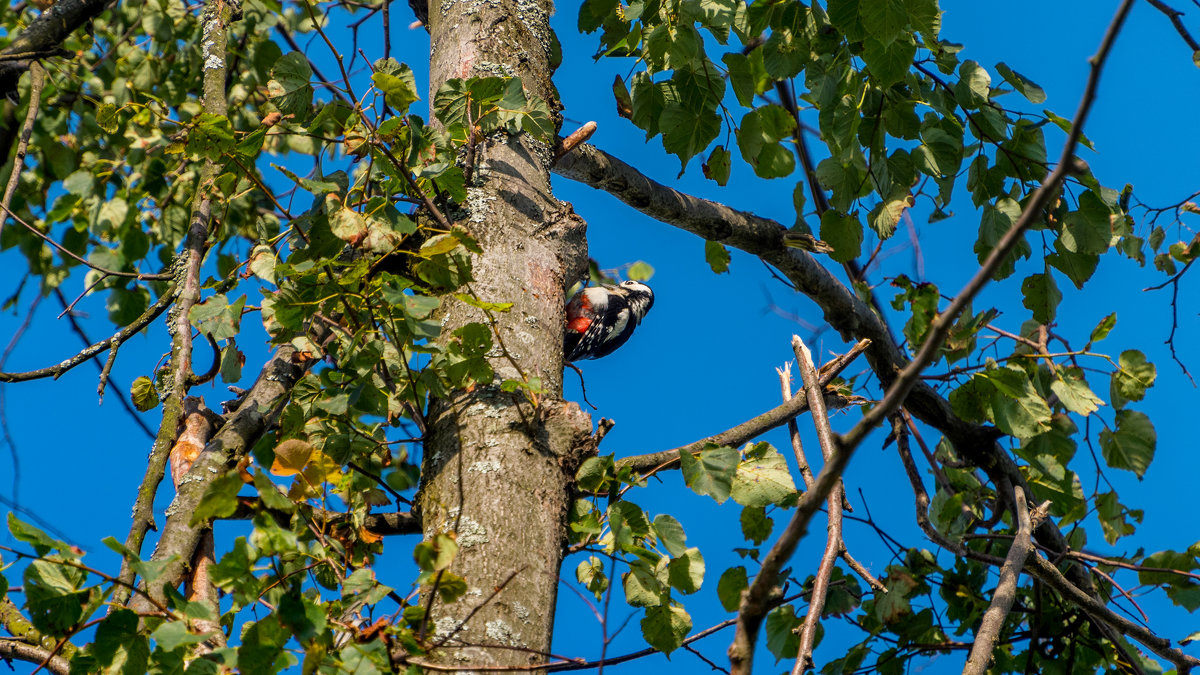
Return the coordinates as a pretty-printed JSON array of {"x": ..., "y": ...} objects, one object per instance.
[{"x": 329, "y": 235}]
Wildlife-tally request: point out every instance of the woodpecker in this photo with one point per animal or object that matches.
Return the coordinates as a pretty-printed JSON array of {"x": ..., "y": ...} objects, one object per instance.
[{"x": 601, "y": 318}]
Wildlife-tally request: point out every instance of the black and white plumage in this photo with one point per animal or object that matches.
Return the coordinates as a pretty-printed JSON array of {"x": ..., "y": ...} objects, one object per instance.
[{"x": 602, "y": 318}]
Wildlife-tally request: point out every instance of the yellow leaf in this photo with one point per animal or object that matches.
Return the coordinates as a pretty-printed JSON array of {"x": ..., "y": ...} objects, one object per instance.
[{"x": 291, "y": 456}]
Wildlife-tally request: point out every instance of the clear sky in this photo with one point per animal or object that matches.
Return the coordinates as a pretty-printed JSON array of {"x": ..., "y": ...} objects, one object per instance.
[{"x": 705, "y": 358}]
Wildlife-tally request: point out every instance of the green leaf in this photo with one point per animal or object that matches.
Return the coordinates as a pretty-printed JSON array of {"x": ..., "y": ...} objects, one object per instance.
[
  {"x": 1134, "y": 375},
  {"x": 670, "y": 534},
  {"x": 217, "y": 318},
  {"x": 1131, "y": 445},
  {"x": 106, "y": 118},
  {"x": 300, "y": 615},
  {"x": 686, "y": 572},
  {"x": 41, "y": 542},
  {"x": 1089, "y": 229},
  {"x": 210, "y": 136},
  {"x": 590, "y": 573},
  {"x": 53, "y": 596},
  {"x": 665, "y": 627},
  {"x": 641, "y": 587},
  {"x": 232, "y": 360},
  {"x": 973, "y": 86},
  {"x": 1073, "y": 391},
  {"x": 1112, "y": 516},
  {"x": 1102, "y": 329},
  {"x": 759, "y": 137},
  {"x": 729, "y": 588},
  {"x": 289, "y": 87},
  {"x": 688, "y": 131},
  {"x": 756, "y": 526},
  {"x": 1041, "y": 296},
  {"x": 174, "y": 634},
  {"x": 118, "y": 647},
  {"x": 640, "y": 271},
  {"x": 885, "y": 216},
  {"x": 1016, "y": 407},
  {"x": 143, "y": 394},
  {"x": 885, "y": 20},
  {"x": 925, "y": 17},
  {"x": 717, "y": 167},
  {"x": 711, "y": 471},
  {"x": 1033, "y": 93},
  {"x": 1079, "y": 267},
  {"x": 747, "y": 75},
  {"x": 220, "y": 499},
  {"x": 717, "y": 256},
  {"x": 782, "y": 640},
  {"x": 437, "y": 554},
  {"x": 762, "y": 477},
  {"x": 889, "y": 62},
  {"x": 398, "y": 85},
  {"x": 844, "y": 233},
  {"x": 628, "y": 524},
  {"x": 262, "y": 642}
]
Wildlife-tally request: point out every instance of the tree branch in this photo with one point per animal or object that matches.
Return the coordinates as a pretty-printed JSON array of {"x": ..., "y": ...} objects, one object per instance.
[
  {"x": 1005, "y": 593},
  {"x": 42, "y": 37},
  {"x": 56, "y": 371},
  {"x": 1174, "y": 15},
  {"x": 401, "y": 522},
  {"x": 13, "y": 649},
  {"x": 833, "y": 539},
  {"x": 37, "y": 82},
  {"x": 255, "y": 414},
  {"x": 669, "y": 459}
]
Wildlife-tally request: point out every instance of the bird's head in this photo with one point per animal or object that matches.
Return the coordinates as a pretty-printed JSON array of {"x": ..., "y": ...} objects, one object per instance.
[{"x": 639, "y": 296}]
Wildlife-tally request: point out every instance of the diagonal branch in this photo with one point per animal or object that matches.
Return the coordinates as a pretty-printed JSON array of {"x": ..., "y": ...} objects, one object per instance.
[
  {"x": 255, "y": 414},
  {"x": 56, "y": 371},
  {"x": 833, "y": 539},
  {"x": 1005, "y": 593},
  {"x": 22, "y": 651},
  {"x": 1174, "y": 16},
  {"x": 37, "y": 82},
  {"x": 778, "y": 416},
  {"x": 42, "y": 38}
]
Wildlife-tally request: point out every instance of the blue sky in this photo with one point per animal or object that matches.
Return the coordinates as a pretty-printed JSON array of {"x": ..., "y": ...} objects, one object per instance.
[{"x": 705, "y": 358}]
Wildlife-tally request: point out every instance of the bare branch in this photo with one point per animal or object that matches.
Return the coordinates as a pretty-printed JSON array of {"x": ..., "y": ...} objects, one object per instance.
[
  {"x": 1174, "y": 15},
  {"x": 580, "y": 135},
  {"x": 833, "y": 539},
  {"x": 121, "y": 397},
  {"x": 37, "y": 82},
  {"x": 1005, "y": 593},
  {"x": 13, "y": 649},
  {"x": 151, "y": 313},
  {"x": 669, "y": 459},
  {"x": 164, "y": 276}
]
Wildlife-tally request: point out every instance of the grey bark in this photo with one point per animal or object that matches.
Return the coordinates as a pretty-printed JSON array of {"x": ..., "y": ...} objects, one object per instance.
[{"x": 499, "y": 466}]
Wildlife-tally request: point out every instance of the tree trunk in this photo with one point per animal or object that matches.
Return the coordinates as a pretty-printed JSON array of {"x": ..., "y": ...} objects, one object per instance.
[{"x": 498, "y": 468}]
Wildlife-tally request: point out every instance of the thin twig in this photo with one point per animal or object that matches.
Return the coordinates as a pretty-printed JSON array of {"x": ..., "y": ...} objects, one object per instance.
[
  {"x": 785, "y": 384},
  {"x": 164, "y": 276},
  {"x": 1174, "y": 15},
  {"x": 37, "y": 82}
]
